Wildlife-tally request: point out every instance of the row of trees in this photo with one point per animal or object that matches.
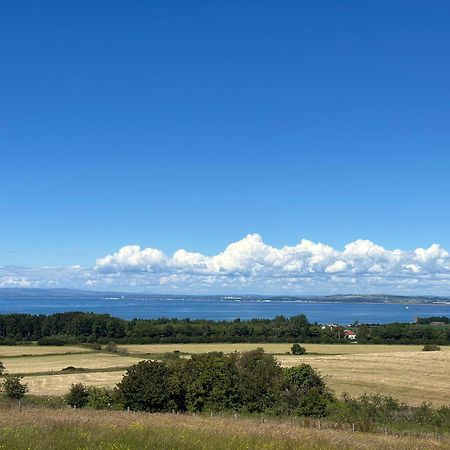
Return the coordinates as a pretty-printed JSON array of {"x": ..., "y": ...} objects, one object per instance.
[
  {"x": 72, "y": 327},
  {"x": 251, "y": 382},
  {"x": 436, "y": 319}
]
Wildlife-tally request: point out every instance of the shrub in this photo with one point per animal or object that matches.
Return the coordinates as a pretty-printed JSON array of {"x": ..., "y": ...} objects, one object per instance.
[
  {"x": 101, "y": 398},
  {"x": 169, "y": 356},
  {"x": 250, "y": 382},
  {"x": 52, "y": 340},
  {"x": 369, "y": 410},
  {"x": 8, "y": 341},
  {"x": 260, "y": 380},
  {"x": 111, "y": 347},
  {"x": 150, "y": 386},
  {"x": 2, "y": 368},
  {"x": 78, "y": 395},
  {"x": 306, "y": 393},
  {"x": 13, "y": 387},
  {"x": 297, "y": 349},
  {"x": 431, "y": 348},
  {"x": 211, "y": 382}
]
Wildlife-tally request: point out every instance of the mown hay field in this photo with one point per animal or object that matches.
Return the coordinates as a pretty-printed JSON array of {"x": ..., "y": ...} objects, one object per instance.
[
  {"x": 411, "y": 376},
  {"x": 60, "y": 384},
  {"x": 47, "y": 429},
  {"x": 33, "y": 364},
  {"x": 19, "y": 350},
  {"x": 282, "y": 348}
]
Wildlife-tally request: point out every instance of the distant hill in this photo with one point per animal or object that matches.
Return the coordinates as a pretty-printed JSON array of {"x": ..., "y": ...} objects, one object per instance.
[{"x": 339, "y": 298}]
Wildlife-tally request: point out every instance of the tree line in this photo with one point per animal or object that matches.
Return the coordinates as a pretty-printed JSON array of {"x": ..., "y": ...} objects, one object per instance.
[{"x": 80, "y": 327}]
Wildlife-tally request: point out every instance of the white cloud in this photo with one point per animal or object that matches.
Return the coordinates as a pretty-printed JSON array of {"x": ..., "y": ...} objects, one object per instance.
[
  {"x": 251, "y": 265},
  {"x": 132, "y": 257},
  {"x": 336, "y": 267}
]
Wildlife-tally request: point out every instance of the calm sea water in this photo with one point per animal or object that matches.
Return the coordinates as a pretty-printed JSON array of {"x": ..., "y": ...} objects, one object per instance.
[{"x": 218, "y": 309}]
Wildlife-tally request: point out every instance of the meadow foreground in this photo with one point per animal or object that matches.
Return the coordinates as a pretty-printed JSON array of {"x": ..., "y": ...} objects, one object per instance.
[{"x": 52, "y": 429}]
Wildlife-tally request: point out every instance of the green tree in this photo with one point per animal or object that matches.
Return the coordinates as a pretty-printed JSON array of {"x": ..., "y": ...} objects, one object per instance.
[
  {"x": 2, "y": 368},
  {"x": 78, "y": 395},
  {"x": 305, "y": 392},
  {"x": 260, "y": 380},
  {"x": 150, "y": 386},
  {"x": 212, "y": 381},
  {"x": 13, "y": 387},
  {"x": 100, "y": 398}
]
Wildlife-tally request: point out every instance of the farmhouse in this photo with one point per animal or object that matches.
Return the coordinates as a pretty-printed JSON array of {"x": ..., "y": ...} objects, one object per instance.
[{"x": 349, "y": 334}]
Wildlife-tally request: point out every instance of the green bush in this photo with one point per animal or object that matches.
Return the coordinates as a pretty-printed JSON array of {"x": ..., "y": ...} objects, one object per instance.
[
  {"x": 150, "y": 386},
  {"x": 101, "y": 398},
  {"x": 431, "y": 348},
  {"x": 13, "y": 387},
  {"x": 369, "y": 411},
  {"x": 8, "y": 341},
  {"x": 78, "y": 395},
  {"x": 111, "y": 347},
  {"x": 297, "y": 349},
  {"x": 53, "y": 340},
  {"x": 251, "y": 382},
  {"x": 211, "y": 382},
  {"x": 260, "y": 381},
  {"x": 306, "y": 393}
]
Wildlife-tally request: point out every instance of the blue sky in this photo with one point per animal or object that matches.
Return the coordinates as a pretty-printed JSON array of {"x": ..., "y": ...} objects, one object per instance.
[{"x": 189, "y": 125}]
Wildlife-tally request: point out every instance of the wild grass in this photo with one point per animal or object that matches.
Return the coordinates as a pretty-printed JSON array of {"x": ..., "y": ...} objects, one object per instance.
[{"x": 49, "y": 429}]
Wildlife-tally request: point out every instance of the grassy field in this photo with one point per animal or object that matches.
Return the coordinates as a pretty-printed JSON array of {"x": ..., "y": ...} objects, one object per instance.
[
  {"x": 30, "y": 364},
  {"x": 41, "y": 429},
  {"x": 60, "y": 384},
  {"x": 413, "y": 377},
  {"x": 322, "y": 349},
  {"x": 20, "y": 350},
  {"x": 404, "y": 372}
]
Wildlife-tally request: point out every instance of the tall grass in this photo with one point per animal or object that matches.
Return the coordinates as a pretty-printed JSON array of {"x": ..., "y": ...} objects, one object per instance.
[{"x": 49, "y": 429}]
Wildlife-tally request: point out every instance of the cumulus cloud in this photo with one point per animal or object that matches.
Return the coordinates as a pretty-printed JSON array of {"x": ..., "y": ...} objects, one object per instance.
[{"x": 251, "y": 265}]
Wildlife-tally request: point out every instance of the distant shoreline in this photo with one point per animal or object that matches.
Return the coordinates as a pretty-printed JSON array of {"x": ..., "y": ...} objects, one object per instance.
[{"x": 34, "y": 293}]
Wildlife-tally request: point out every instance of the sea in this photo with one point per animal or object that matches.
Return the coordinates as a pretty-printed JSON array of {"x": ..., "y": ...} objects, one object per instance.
[{"x": 227, "y": 308}]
